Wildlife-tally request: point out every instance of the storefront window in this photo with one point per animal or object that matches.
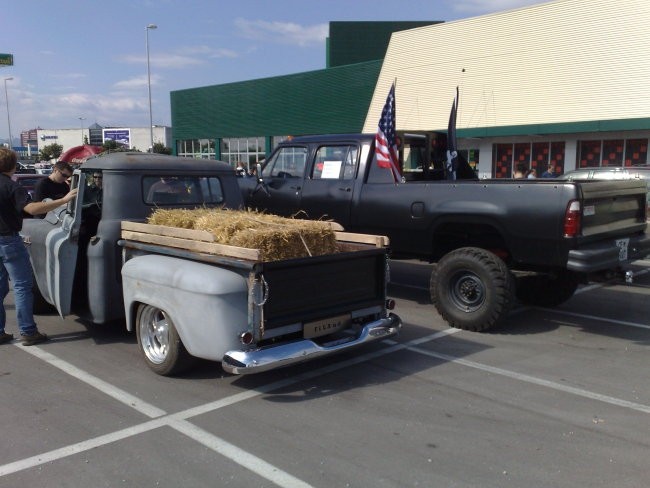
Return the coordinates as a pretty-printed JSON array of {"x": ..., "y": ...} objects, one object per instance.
[
  {"x": 248, "y": 150},
  {"x": 471, "y": 156},
  {"x": 196, "y": 148},
  {"x": 612, "y": 152},
  {"x": 636, "y": 152},
  {"x": 535, "y": 155}
]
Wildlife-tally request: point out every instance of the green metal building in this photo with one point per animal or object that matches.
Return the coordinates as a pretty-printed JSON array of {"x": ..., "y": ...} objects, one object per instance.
[{"x": 243, "y": 121}]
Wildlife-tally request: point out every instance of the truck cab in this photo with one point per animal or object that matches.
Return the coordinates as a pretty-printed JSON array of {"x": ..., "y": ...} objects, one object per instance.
[{"x": 74, "y": 252}]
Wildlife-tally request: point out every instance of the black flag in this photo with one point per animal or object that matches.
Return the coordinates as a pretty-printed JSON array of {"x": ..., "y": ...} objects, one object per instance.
[{"x": 452, "y": 145}]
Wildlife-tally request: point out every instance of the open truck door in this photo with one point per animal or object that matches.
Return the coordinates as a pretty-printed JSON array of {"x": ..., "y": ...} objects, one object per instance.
[{"x": 62, "y": 245}]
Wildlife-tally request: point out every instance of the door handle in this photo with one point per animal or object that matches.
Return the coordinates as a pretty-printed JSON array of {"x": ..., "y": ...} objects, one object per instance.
[{"x": 345, "y": 188}]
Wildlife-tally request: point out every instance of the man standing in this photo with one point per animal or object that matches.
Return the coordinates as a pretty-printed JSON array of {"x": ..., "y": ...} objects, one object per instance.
[
  {"x": 14, "y": 259},
  {"x": 549, "y": 173},
  {"x": 55, "y": 185}
]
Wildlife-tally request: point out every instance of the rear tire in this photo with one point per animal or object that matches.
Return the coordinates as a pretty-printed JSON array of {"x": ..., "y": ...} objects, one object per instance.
[
  {"x": 547, "y": 290},
  {"x": 472, "y": 289},
  {"x": 159, "y": 342}
]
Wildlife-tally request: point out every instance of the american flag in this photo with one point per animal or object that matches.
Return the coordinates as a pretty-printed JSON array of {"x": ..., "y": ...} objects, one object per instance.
[{"x": 385, "y": 145}]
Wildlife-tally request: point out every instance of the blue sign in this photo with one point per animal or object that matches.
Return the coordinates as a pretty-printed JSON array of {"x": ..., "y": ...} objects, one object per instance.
[{"x": 121, "y": 136}]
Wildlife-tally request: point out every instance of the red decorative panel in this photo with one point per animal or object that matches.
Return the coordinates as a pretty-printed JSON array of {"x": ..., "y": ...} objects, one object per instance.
[
  {"x": 613, "y": 152},
  {"x": 558, "y": 156},
  {"x": 589, "y": 154},
  {"x": 636, "y": 152},
  {"x": 502, "y": 160}
]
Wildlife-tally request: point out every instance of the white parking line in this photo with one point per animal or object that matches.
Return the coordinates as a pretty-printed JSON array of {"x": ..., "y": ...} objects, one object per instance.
[
  {"x": 179, "y": 420},
  {"x": 594, "y": 317},
  {"x": 246, "y": 459},
  {"x": 272, "y": 473},
  {"x": 101, "y": 385},
  {"x": 639, "y": 407},
  {"x": 102, "y": 440}
]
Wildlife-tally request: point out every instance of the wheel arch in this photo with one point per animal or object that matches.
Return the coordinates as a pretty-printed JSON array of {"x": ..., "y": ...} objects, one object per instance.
[{"x": 458, "y": 231}]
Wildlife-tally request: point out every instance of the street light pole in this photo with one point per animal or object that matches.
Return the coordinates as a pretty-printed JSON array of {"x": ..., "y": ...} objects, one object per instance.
[
  {"x": 81, "y": 121},
  {"x": 150, "y": 26},
  {"x": 8, "y": 117}
]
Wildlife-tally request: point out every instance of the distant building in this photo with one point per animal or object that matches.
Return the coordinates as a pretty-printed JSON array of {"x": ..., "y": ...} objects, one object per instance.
[
  {"x": 136, "y": 138},
  {"x": 29, "y": 137},
  {"x": 95, "y": 135}
]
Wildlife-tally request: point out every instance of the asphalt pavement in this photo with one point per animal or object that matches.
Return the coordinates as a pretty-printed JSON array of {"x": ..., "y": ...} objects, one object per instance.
[{"x": 551, "y": 398}]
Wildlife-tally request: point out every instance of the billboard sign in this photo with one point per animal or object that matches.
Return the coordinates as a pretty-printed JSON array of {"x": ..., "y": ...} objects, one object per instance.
[
  {"x": 121, "y": 136},
  {"x": 6, "y": 59}
]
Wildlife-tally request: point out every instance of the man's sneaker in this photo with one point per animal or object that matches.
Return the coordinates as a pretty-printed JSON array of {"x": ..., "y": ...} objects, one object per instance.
[
  {"x": 35, "y": 338},
  {"x": 4, "y": 337}
]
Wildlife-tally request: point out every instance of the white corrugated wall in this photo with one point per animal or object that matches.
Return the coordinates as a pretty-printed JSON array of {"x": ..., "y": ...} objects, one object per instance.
[{"x": 562, "y": 61}]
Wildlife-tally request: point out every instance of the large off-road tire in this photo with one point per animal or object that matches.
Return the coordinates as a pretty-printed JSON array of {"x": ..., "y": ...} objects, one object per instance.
[
  {"x": 159, "y": 342},
  {"x": 547, "y": 290},
  {"x": 472, "y": 288},
  {"x": 40, "y": 305}
]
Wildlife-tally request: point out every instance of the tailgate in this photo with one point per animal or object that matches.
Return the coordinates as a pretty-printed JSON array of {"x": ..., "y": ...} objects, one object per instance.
[
  {"x": 612, "y": 208},
  {"x": 318, "y": 287}
]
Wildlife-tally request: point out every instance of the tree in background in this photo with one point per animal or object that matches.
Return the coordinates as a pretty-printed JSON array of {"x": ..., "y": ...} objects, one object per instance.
[
  {"x": 51, "y": 151},
  {"x": 111, "y": 146},
  {"x": 160, "y": 148}
]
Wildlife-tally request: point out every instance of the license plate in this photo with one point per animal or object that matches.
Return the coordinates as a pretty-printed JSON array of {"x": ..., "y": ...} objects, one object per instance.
[
  {"x": 326, "y": 326},
  {"x": 622, "y": 245}
]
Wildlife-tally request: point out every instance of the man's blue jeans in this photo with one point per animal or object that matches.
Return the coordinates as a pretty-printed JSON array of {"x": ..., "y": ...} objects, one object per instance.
[{"x": 14, "y": 264}]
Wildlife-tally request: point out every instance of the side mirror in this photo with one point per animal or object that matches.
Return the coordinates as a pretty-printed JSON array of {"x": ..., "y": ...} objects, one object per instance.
[{"x": 260, "y": 181}]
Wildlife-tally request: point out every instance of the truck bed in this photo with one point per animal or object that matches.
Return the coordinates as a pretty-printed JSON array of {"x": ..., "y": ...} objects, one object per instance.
[{"x": 351, "y": 282}]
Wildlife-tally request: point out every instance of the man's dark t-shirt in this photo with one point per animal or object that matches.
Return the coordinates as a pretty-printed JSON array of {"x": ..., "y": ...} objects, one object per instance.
[
  {"x": 47, "y": 188},
  {"x": 13, "y": 199}
]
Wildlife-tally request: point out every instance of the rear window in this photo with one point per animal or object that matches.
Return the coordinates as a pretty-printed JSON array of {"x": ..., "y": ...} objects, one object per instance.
[
  {"x": 28, "y": 181},
  {"x": 335, "y": 163},
  {"x": 181, "y": 190}
]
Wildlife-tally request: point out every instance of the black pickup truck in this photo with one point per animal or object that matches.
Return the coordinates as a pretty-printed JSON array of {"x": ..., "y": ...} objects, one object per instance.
[{"x": 492, "y": 239}]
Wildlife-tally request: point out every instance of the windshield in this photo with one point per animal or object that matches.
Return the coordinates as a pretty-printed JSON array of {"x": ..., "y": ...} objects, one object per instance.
[{"x": 181, "y": 190}]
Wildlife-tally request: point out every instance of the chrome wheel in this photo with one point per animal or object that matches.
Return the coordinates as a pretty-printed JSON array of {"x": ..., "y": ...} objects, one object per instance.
[
  {"x": 159, "y": 341},
  {"x": 154, "y": 329}
]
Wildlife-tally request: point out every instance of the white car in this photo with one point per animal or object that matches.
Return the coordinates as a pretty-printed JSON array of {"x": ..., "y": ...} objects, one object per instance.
[{"x": 43, "y": 168}]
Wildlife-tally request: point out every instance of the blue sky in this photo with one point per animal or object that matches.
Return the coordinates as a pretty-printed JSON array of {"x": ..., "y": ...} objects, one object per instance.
[{"x": 75, "y": 58}]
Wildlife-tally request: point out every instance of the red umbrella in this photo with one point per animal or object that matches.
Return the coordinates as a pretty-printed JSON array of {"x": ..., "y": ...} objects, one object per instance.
[{"x": 79, "y": 154}]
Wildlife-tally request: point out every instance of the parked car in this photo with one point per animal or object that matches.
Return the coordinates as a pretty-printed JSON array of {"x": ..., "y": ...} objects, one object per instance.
[
  {"x": 25, "y": 167},
  {"x": 43, "y": 168},
  {"x": 28, "y": 181},
  {"x": 640, "y": 172}
]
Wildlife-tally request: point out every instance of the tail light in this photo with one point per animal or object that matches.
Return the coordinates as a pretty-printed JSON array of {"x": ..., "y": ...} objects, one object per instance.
[
  {"x": 246, "y": 338},
  {"x": 572, "y": 218}
]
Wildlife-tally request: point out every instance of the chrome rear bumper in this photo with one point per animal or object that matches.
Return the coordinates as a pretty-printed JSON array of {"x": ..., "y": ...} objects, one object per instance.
[{"x": 258, "y": 360}]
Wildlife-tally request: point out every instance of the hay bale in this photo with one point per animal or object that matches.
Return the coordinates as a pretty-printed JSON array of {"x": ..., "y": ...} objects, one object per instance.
[
  {"x": 286, "y": 241},
  {"x": 177, "y": 217},
  {"x": 275, "y": 237}
]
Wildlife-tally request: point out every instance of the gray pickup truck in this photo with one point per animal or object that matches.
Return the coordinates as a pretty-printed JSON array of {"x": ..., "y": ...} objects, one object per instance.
[
  {"x": 98, "y": 259},
  {"x": 492, "y": 239}
]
